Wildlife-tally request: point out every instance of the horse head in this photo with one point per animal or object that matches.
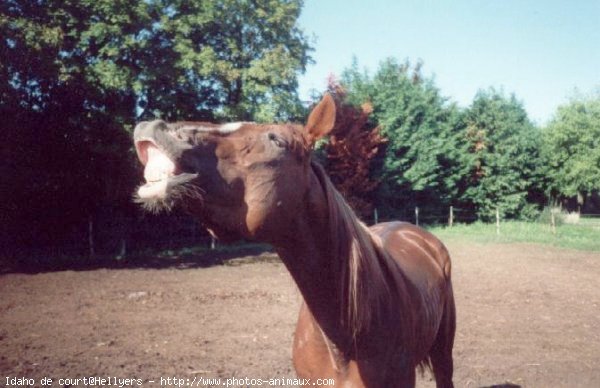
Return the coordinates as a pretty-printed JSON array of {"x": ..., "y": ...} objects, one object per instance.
[{"x": 243, "y": 180}]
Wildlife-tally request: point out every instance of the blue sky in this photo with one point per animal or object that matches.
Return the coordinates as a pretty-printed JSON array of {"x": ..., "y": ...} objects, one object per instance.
[{"x": 540, "y": 50}]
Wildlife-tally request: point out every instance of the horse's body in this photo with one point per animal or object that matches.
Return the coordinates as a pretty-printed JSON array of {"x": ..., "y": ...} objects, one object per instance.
[
  {"x": 378, "y": 302},
  {"x": 425, "y": 265}
]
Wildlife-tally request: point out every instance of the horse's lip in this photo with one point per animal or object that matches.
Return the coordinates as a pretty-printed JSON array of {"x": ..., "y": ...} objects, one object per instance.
[
  {"x": 141, "y": 148},
  {"x": 154, "y": 189},
  {"x": 176, "y": 179},
  {"x": 160, "y": 188},
  {"x": 158, "y": 185},
  {"x": 161, "y": 171}
]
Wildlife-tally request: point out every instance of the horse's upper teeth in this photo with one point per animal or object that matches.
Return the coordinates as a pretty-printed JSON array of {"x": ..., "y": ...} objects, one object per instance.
[{"x": 158, "y": 167}]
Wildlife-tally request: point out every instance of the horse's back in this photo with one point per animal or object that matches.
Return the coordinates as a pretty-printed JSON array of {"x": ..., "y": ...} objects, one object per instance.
[{"x": 418, "y": 252}]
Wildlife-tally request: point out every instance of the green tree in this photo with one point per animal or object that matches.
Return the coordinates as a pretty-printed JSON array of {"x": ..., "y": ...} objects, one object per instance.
[
  {"x": 66, "y": 92},
  {"x": 420, "y": 166},
  {"x": 503, "y": 157},
  {"x": 175, "y": 59},
  {"x": 572, "y": 148},
  {"x": 228, "y": 59}
]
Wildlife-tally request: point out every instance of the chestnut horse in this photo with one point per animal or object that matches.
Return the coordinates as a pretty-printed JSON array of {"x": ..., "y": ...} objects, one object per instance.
[{"x": 378, "y": 301}]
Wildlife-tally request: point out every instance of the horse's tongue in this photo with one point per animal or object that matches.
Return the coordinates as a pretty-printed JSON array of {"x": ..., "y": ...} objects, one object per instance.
[{"x": 159, "y": 166}]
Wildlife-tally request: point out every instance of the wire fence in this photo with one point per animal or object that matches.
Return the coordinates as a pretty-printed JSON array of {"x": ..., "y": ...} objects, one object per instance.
[
  {"x": 432, "y": 217},
  {"x": 107, "y": 235},
  {"x": 453, "y": 215}
]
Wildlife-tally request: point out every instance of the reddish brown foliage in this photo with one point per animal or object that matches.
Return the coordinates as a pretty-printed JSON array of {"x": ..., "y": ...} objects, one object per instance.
[
  {"x": 352, "y": 147},
  {"x": 478, "y": 143}
]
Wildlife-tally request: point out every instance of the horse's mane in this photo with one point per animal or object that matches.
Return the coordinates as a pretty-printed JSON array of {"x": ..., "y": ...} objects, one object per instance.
[{"x": 359, "y": 257}]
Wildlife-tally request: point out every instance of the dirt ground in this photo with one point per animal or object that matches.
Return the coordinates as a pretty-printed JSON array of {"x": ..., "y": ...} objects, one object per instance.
[{"x": 528, "y": 316}]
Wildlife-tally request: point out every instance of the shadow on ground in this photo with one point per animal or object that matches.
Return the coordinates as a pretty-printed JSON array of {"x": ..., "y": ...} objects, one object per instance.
[{"x": 177, "y": 260}]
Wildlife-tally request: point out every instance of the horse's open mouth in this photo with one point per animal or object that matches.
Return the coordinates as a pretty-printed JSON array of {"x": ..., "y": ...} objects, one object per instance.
[{"x": 160, "y": 171}]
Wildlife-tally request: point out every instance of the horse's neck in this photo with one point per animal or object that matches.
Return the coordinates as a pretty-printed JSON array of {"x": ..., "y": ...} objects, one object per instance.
[
  {"x": 308, "y": 259},
  {"x": 317, "y": 270}
]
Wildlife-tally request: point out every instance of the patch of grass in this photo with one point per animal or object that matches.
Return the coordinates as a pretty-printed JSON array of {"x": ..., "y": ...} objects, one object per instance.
[{"x": 579, "y": 237}]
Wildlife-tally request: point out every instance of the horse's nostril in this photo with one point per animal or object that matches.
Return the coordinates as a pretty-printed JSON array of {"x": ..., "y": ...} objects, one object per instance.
[{"x": 159, "y": 125}]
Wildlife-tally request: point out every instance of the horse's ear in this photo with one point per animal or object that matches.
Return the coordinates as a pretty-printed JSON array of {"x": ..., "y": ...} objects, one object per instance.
[{"x": 321, "y": 120}]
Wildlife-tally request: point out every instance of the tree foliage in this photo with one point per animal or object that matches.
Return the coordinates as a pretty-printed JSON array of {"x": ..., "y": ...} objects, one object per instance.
[
  {"x": 419, "y": 166},
  {"x": 479, "y": 159},
  {"x": 228, "y": 59},
  {"x": 351, "y": 151},
  {"x": 572, "y": 148},
  {"x": 171, "y": 58},
  {"x": 503, "y": 156}
]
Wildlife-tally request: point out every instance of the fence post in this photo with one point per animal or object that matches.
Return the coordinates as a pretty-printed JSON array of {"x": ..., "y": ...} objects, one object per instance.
[
  {"x": 451, "y": 218},
  {"x": 91, "y": 236},
  {"x": 417, "y": 215},
  {"x": 497, "y": 221},
  {"x": 375, "y": 216}
]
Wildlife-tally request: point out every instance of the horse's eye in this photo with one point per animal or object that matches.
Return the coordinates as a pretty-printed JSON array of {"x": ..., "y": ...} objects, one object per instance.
[{"x": 276, "y": 140}]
